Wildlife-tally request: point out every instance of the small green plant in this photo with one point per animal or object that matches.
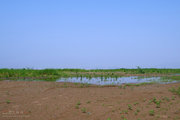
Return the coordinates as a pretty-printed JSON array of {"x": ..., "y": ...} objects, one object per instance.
[
  {"x": 150, "y": 101},
  {"x": 8, "y": 101},
  {"x": 83, "y": 110},
  {"x": 137, "y": 110},
  {"x": 158, "y": 103},
  {"x": 166, "y": 98},
  {"x": 175, "y": 91},
  {"x": 78, "y": 103},
  {"x": 88, "y": 102},
  {"x": 136, "y": 103},
  {"x": 151, "y": 112},
  {"x": 129, "y": 107},
  {"x": 125, "y": 111},
  {"x": 77, "y": 106},
  {"x": 109, "y": 119},
  {"x": 154, "y": 100},
  {"x": 173, "y": 97},
  {"x": 136, "y": 113}
]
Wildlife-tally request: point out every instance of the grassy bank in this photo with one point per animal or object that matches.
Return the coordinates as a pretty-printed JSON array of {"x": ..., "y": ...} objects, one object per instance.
[{"x": 53, "y": 74}]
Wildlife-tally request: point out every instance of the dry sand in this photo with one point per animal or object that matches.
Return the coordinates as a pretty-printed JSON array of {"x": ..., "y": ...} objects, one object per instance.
[{"x": 20, "y": 100}]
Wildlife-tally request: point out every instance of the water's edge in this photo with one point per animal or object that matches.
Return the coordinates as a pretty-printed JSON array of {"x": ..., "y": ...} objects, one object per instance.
[{"x": 116, "y": 81}]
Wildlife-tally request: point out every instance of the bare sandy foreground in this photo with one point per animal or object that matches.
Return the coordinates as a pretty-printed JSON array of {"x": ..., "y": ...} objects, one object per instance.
[{"x": 20, "y": 100}]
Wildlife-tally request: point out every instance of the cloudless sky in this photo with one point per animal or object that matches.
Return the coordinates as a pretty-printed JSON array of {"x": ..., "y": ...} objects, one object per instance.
[{"x": 89, "y": 33}]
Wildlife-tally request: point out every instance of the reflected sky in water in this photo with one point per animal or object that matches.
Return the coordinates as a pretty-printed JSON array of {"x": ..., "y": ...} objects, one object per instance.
[{"x": 109, "y": 81}]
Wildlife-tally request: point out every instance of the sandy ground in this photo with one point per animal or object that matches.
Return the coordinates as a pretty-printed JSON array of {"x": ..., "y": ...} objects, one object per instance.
[{"x": 20, "y": 100}]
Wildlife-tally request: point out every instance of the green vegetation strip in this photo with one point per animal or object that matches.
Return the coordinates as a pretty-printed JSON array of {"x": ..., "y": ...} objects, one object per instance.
[{"x": 53, "y": 74}]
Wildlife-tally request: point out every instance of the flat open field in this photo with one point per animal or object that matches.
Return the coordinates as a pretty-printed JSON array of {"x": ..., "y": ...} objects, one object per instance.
[{"x": 30, "y": 100}]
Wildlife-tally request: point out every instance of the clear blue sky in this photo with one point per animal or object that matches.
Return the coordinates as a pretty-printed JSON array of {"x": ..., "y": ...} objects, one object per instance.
[{"x": 89, "y": 33}]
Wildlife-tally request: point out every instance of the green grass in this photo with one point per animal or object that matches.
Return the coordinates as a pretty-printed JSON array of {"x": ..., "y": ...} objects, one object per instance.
[
  {"x": 174, "y": 77},
  {"x": 23, "y": 74},
  {"x": 54, "y": 74},
  {"x": 140, "y": 84}
]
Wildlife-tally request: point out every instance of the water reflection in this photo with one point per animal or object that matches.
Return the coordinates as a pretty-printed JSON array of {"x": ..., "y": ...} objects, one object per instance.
[{"x": 110, "y": 81}]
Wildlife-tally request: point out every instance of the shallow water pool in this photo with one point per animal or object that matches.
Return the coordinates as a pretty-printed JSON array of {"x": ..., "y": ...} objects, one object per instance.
[{"x": 110, "y": 81}]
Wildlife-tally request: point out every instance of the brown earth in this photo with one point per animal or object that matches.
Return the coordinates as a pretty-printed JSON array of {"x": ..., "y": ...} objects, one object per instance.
[{"x": 20, "y": 100}]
